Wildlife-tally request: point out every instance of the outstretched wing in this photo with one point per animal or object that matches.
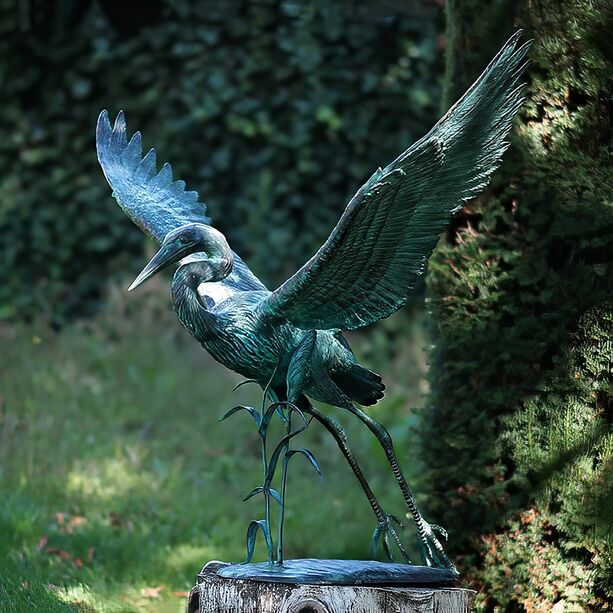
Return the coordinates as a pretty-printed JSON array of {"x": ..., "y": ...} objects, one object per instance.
[
  {"x": 380, "y": 247},
  {"x": 152, "y": 200}
]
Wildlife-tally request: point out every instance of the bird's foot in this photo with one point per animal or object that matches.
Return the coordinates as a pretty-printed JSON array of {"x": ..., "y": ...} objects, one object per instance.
[
  {"x": 386, "y": 533},
  {"x": 430, "y": 548}
]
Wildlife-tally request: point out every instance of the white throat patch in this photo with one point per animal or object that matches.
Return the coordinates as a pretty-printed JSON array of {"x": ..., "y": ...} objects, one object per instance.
[{"x": 217, "y": 291}]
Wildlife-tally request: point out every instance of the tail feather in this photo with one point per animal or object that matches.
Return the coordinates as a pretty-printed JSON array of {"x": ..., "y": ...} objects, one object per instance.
[{"x": 361, "y": 385}]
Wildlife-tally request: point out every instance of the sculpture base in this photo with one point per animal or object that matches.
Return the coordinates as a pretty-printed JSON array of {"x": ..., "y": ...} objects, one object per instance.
[
  {"x": 215, "y": 594},
  {"x": 339, "y": 572}
]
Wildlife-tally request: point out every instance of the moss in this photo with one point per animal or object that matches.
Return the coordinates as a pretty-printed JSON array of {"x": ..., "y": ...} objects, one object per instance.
[{"x": 520, "y": 294}]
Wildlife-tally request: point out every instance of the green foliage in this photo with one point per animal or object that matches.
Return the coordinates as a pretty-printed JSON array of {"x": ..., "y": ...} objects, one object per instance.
[
  {"x": 275, "y": 112},
  {"x": 521, "y": 294},
  {"x": 526, "y": 565}
]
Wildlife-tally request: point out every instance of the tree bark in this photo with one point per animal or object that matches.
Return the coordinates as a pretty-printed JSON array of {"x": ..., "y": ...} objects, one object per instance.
[{"x": 212, "y": 594}]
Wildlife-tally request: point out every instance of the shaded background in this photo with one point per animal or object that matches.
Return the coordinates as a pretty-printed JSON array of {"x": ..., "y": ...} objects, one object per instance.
[
  {"x": 117, "y": 481},
  {"x": 275, "y": 112}
]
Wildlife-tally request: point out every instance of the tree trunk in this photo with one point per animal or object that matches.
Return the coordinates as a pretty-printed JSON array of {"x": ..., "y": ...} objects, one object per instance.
[{"x": 213, "y": 594}]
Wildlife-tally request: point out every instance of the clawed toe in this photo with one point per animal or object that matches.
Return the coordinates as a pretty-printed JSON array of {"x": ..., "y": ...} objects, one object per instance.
[
  {"x": 440, "y": 530},
  {"x": 430, "y": 548},
  {"x": 383, "y": 533}
]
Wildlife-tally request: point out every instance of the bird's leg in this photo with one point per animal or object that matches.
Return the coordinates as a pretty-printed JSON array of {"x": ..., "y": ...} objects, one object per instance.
[
  {"x": 385, "y": 526},
  {"x": 431, "y": 549}
]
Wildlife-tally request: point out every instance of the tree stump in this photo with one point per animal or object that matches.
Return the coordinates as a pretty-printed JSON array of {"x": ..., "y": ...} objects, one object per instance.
[{"x": 214, "y": 594}]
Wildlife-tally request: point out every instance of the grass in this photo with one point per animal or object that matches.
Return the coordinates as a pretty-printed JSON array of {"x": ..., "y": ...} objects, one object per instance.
[{"x": 118, "y": 483}]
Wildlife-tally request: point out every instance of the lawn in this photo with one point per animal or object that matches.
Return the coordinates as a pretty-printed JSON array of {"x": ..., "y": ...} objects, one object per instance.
[{"x": 118, "y": 482}]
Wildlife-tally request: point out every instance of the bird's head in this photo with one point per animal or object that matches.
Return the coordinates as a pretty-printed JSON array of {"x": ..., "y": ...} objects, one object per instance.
[{"x": 214, "y": 252}]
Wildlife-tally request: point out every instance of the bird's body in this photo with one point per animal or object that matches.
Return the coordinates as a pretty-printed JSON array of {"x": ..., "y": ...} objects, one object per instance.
[
  {"x": 230, "y": 329},
  {"x": 228, "y": 322},
  {"x": 289, "y": 340}
]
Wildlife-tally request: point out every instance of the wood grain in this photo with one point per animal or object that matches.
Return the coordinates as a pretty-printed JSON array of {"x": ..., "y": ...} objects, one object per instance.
[{"x": 213, "y": 594}]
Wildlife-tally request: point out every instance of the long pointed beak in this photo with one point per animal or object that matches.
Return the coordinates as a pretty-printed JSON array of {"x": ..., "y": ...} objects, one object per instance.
[{"x": 163, "y": 258}]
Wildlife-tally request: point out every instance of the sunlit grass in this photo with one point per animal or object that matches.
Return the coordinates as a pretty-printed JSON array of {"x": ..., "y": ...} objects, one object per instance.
[{"x": 118, "y": 483}]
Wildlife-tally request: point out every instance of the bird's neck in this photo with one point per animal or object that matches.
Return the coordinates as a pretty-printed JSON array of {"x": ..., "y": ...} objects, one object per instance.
[{"x": 192, "y": 313}]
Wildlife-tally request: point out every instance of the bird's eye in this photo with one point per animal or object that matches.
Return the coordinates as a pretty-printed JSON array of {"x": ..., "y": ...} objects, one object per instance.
[{"x": 183, "y": 239}]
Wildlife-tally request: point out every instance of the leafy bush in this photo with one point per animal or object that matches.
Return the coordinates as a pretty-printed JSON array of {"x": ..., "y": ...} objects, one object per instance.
[
  {"x": 275, "y": 112},
  {"x": 521, "y": 298}
]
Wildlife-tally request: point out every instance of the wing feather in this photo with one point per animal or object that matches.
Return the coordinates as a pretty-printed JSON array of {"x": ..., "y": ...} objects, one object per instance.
[
  {"x": 153, "y": 200},
  {"x": 380, "y": 246}
]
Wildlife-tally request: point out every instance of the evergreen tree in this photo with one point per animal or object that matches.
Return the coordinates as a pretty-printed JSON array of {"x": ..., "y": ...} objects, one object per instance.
[{"x": 519, "y": 436}]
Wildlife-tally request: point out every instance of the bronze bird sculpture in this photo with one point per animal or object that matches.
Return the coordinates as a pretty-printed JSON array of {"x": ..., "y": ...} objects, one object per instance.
[{"x": 290, "y": 340}]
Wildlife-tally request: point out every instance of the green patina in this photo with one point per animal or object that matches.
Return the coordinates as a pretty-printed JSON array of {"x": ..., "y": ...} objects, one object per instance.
[{"x": 289, "y": 340}]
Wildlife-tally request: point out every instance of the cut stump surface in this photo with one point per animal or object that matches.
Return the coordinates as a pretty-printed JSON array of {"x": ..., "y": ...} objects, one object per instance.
[{"x": 214, "y": 594}]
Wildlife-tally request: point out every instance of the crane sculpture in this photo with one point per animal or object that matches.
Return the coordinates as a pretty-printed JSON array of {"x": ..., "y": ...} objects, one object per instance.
[{"x": 290, "y": 340}]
